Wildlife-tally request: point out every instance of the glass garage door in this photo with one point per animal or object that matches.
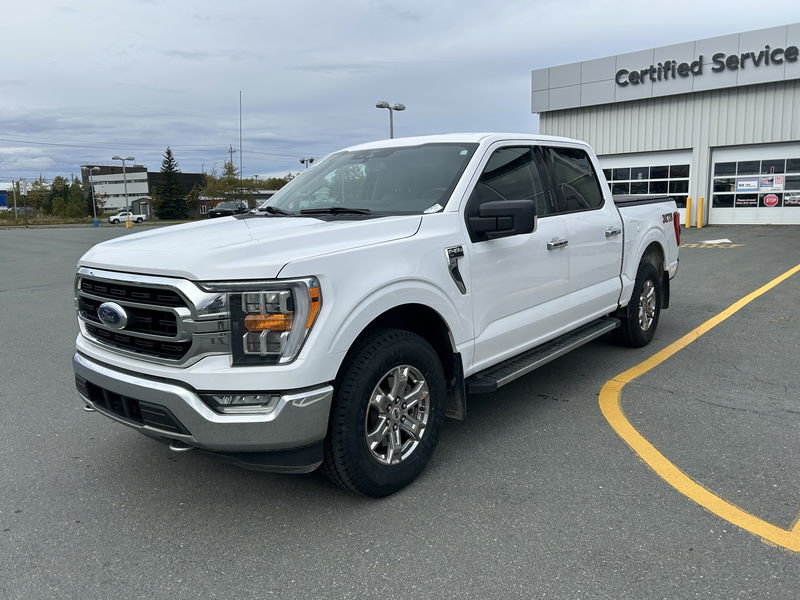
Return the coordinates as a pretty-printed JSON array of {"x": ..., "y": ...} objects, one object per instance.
[
  {"x": 756, "y": 185},
  {"x": 654, "y": 180},
  {"x": 664, "y": 173}
]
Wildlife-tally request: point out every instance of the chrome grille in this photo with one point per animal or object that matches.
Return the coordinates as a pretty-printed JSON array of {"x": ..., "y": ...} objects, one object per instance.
[
  {"x": 118, "y": 291},
  {"x": 173, "y": 351},
  {"x": 168, "y": 320},
  {"x": 140, "y": 320}
]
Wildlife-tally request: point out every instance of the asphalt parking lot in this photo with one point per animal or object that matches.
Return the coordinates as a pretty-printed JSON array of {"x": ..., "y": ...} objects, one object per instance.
[{"x": 535, "y": 495}]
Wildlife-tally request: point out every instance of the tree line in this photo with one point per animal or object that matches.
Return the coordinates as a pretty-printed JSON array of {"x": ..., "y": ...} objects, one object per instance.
[
  {"x": 68, "y": 198},
  {"x": 62, "y": 197}
]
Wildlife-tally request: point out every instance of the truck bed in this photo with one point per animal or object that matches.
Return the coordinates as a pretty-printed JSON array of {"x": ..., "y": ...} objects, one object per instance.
[{"x": 623, "y": 201}]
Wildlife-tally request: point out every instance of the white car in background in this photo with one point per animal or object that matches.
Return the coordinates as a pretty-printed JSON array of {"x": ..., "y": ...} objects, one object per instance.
[{"x": 126, "y": 215}]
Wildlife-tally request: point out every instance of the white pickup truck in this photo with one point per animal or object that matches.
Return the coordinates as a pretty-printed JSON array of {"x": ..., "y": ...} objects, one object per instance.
[
  {"x": 126, "y": 215},
  {"x": 367, "y": 300}
]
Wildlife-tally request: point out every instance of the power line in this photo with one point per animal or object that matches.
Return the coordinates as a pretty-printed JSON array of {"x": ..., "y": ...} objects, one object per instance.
[{"x": 184, "y": 148}]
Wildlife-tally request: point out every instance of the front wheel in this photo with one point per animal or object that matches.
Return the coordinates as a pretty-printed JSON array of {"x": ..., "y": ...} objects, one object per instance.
[
  {"x": 139, "y": 220},
  {"x": 640, "y": 319},
  {"x": 387, "y": 414}
]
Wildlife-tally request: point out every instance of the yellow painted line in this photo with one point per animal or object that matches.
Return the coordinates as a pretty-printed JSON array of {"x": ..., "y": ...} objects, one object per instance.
[{"x": 612, "y": 410}]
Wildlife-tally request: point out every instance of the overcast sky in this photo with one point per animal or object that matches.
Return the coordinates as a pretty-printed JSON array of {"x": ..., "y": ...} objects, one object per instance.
[{"x": 84, "y": 80}]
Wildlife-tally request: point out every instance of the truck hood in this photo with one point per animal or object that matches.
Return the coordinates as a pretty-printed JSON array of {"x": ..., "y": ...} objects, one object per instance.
[{"x": 256, "y": 247}]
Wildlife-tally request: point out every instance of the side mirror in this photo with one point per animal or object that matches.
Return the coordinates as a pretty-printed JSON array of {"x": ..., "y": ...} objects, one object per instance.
[{"x": 502, "y": 218}]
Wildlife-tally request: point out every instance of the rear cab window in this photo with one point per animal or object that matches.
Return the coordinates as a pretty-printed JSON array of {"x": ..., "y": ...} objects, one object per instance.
[{"x": 574, "y": 179}]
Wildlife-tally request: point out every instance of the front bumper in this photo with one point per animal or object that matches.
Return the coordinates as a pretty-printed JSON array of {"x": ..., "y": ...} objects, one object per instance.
[{"x": 287, "y": 439}]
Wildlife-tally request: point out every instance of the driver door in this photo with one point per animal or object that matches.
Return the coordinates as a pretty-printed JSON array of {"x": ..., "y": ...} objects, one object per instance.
[{"x": 518, "y": 283}]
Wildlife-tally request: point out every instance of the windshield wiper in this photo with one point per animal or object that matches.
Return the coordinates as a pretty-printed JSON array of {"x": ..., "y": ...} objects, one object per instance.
[
  {"x": 274, "y": 210},
  {"x": 336, "y": 210}
]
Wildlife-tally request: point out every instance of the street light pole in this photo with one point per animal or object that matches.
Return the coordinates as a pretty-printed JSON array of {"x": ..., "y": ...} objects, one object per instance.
[
  {"x": 391, "y": 109},
  {"x": 307, "y": 161},
  {"x": 124, "y": 176},
  {"x": 91, "y": 188}
]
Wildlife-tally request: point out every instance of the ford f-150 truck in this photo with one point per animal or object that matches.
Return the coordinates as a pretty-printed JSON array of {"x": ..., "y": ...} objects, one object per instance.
[
  {"x": 366, "y": 301},
  {"x": 125, "y": 215}
]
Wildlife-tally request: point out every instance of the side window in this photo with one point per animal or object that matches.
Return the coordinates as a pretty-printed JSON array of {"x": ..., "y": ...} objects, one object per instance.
[
  {"x": 574, "y": 180},
  {"x": 510, "y": 174}
]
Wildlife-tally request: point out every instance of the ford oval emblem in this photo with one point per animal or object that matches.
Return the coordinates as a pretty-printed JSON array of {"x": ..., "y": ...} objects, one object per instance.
[{"x": 112, "y": 315}]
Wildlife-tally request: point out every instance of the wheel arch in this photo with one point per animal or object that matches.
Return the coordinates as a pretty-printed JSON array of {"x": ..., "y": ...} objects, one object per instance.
[
  {"x": 650, "y": 249},
  {"x": 427, "y": 323},
  {"x": 416, "y": 318},
  {"x": 656, "y": 255}
]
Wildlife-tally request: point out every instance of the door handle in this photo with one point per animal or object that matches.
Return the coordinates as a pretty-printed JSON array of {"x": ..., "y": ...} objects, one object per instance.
[
  {"x": 612, "y": 231},
  {"x": 557, "y": 244}
]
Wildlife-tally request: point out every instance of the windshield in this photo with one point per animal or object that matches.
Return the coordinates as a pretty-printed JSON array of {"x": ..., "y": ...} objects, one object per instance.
[{"x": 401, "y": 180}]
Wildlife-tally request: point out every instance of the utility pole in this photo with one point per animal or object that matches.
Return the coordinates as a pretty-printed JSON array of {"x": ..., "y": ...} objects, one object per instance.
[
  {"x": 241, "y": 168},
  {"x": 231, "y": 150},
  {"x": 14, "y": 191},
  {"x": 24, "y": 193}
]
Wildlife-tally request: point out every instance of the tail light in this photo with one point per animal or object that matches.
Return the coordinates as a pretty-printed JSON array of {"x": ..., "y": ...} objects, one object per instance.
[{"x": 676, "y": 222}]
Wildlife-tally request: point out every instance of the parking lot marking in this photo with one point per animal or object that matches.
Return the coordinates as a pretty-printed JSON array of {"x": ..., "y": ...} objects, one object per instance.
[
  {"x": 612, "y": 410},
  {"x": 711, "y": 245}
]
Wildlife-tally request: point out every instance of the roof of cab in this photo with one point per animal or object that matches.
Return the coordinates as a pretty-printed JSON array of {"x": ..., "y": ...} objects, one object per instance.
[{"x": 463, "y": 138}]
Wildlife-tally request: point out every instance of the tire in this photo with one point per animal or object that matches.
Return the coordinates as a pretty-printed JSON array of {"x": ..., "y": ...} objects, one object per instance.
[
  {"x": 115, "y": 221},
  {"x": 139, "y": 220},
  {"x": 377, "y": 444},
  {"x": 640, "y": 319}
]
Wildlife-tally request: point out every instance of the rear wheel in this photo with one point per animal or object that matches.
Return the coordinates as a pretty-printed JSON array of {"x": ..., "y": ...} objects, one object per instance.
[
  {"x": 640, "y": 320},
  {"x": 387, "y": 414},
  {"x": 139, "y": 220},
  {"x": 115, "y": 221}
]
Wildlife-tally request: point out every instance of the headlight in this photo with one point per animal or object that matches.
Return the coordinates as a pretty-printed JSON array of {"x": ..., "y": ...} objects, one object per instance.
[{"x": 270, "y": 320}]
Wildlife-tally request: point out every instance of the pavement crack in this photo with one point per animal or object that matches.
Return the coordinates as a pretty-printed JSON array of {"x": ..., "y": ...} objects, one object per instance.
[{"x": 734, "y": 408}]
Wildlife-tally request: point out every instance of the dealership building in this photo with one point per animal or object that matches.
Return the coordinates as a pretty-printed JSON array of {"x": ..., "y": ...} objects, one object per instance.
[{"x": 715, "y": 120}]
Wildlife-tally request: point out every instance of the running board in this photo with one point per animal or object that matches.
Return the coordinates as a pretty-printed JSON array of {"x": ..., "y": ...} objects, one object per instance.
[{"x": 486, "y": 382}]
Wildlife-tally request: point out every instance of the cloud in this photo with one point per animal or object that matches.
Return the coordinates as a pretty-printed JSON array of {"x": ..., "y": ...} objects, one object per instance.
[
  {"x": 392, "y": 10},
  {"x": 188, "y": 55}
]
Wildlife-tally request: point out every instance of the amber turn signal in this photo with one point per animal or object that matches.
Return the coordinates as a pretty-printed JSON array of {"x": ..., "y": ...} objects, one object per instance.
[
  {"x": 259, "y": 322},
  {"x": 314, "y": 299}
]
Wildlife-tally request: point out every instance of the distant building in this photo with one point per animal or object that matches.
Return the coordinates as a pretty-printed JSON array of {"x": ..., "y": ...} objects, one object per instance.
[
  {"x": 109, "y": 185},
  {"x": 186, "y": 181}
]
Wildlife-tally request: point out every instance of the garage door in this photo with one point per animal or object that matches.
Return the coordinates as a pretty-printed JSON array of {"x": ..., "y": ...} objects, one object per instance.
[
  {"x": 756, "y": 184},
  {"x": 650, "y": 173}
]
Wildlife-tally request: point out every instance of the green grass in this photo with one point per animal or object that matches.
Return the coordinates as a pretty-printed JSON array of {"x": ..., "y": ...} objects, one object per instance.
[{"x": 7, "y": 220}]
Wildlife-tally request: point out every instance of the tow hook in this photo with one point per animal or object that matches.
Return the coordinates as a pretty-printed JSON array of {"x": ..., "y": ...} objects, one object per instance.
[
  {"x": 89, "y": 408},
  {"x": 178, "y": 446}
]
